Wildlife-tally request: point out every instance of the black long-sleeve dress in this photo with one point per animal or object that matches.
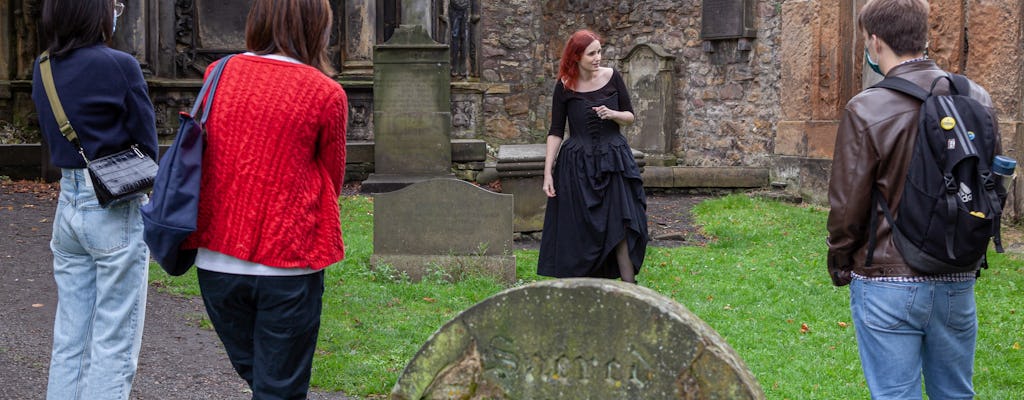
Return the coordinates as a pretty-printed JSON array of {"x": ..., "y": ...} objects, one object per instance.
[{"x": 599, "y": 194}]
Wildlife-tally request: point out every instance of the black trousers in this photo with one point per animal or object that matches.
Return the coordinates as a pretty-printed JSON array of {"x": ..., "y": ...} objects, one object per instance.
[{"x": 269, "y": 327}]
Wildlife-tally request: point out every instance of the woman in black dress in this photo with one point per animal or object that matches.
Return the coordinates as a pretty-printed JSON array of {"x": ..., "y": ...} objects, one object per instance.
[{"x": 595, "y": 224}]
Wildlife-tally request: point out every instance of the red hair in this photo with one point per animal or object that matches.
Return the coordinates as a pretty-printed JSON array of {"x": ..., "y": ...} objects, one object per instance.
[{"x": 569, "y": 68}]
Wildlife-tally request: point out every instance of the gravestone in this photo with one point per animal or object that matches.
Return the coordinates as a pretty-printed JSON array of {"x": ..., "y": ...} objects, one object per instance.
[
  {"x": 521, "y": 169},
  {"x": 648, "y": 72},
  {"x": 412, "y": 109},
  {"x": 444, "y": 225},
  {"x": 580, "y": 338}
]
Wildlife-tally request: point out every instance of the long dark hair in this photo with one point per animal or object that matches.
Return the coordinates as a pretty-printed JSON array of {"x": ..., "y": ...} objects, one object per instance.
[
  {"x": 297, "y": 28},
  {"x": 67, "y": 25}
]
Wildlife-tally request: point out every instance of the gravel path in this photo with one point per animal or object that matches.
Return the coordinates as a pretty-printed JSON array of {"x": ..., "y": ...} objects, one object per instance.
[{"x": 178, "y": 361}]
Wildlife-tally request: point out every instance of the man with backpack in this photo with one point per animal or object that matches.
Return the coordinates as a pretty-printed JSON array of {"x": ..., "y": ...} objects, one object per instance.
[{"x": 913, "y": 308}]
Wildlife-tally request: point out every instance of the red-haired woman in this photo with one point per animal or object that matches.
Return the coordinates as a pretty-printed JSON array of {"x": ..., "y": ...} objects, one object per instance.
[
  {"x": 596, "y": 223},
  {"x": 268, "y": 214}
]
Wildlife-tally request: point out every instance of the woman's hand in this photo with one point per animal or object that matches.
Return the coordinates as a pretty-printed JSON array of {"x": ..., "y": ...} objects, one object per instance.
[
  {"x": 620, "y": 117},
  {"x": 549, "y": 185},
  {"x": 604, "y": 112}
]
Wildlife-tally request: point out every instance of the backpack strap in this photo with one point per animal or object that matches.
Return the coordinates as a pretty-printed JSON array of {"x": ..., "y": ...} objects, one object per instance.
[
  {"x": 951, "y": 198},
  {"x": 903, "y": 86},
  {"x": 961, "y": 86},
  {"x": 994, "y": 204},
  {"x": 877, "y": 201}
]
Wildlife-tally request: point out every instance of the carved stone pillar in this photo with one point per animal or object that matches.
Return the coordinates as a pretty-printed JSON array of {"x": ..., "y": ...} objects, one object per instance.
[{"x": 360, "y": 35}]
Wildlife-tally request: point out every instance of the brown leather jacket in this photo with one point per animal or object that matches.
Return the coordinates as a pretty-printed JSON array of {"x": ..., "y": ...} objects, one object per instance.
[{"x": 873, "y": 148}]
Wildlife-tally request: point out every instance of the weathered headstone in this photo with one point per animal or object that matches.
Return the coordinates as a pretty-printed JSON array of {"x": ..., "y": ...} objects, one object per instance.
[
  {"x": 444, "y": 225},
  {"x": 412, "y": 110},
  {"x": 580, "y": 338},
  {"x": 521, "y": 169},
  {"x": 648, "y": 72}
]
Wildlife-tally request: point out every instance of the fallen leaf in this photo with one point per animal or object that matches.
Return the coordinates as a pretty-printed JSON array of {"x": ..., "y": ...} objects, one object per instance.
[
  {"x": 843, "y": 324},
  {"x": 804, "y": 328},
  {"x": 429, "y": 299},
  {"x": 1016, "y": 345}
]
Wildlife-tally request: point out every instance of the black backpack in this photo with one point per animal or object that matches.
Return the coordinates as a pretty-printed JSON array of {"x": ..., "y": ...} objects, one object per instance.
[{"x": 952, "y": 203}]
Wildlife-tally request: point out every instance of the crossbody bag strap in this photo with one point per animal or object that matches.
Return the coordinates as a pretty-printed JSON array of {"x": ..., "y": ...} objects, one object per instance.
[
  {"x": 46, "y": 72},
  {"x": 205, "y": 97}
]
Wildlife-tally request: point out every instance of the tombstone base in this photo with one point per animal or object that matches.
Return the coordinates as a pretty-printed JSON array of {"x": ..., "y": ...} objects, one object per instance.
[
  {"x": 660, "y": 160},
  {"x": 530, "y": 202},
  {"x": 383, "y": 183},
  {"x": 453, "y": 268}
]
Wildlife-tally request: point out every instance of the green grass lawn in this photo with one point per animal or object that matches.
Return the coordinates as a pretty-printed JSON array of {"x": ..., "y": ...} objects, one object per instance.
[{"x": 760, "y": 282}]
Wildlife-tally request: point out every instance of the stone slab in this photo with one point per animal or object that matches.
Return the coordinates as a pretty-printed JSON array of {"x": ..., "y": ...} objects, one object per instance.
[
  {"x": 530, "y": 201},
  {"x": 521, "y": 152},
  {"x": 658, "y": 177},
  {"x": 807, "y": 177},
  {"x": 724, "y": 177},
  {"x": 442, "y": 217},
  {"x": 580, "y": 338},
  {"x": 705, "y": 177},
  {"x": 468, "y": 150},
  {"x": 520, "y": 166}
]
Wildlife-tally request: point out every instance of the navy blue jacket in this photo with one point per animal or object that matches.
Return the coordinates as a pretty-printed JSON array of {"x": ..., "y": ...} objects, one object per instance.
[{"x": 106, "y": 99}]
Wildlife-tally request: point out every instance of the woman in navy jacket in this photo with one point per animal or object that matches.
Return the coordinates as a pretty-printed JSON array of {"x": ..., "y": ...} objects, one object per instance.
[{"x": 100, "y": 262}]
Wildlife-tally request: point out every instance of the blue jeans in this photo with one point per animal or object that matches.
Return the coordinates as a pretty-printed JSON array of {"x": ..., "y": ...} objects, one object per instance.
[
  {"x": 906, "y": 330},
  {"x": 101, "y": 266}
]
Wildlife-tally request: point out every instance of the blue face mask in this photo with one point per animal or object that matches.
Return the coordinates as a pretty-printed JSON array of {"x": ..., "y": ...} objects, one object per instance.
[{"x": 871, "y": 63}]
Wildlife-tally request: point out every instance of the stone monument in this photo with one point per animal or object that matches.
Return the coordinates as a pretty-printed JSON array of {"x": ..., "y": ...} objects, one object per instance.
[
  {"x": 580, "y": 338},
  {"x": 412, "y": 113},
  {"x": 444, "y": 225},
  {"x": 648, "y": 72}
]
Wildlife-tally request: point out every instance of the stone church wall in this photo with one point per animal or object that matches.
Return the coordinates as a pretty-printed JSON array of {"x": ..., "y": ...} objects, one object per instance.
[{"x": 725, "y": 102}]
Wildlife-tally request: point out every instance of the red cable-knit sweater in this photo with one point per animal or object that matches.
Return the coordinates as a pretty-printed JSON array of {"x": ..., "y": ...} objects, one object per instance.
[{"x": 274, "y": 165}]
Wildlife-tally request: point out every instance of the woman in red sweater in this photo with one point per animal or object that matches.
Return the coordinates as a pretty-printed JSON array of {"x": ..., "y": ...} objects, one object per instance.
[{"x": 268, "y": 215}]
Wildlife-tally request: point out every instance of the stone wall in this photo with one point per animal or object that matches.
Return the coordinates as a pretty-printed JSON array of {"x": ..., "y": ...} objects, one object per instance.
[
  {"x": 822, "y": 67},
  {"x": 771, "y": 102},
  {"x": 726, "y": 102}
]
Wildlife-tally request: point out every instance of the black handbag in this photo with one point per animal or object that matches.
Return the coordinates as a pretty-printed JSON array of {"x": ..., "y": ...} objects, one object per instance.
[{"x": 114, "y": 177}]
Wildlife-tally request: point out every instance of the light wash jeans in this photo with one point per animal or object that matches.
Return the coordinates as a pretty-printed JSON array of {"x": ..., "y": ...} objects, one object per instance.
[
  {"x": 905, "y": 330},
  {"x": 101, "y": 266}
]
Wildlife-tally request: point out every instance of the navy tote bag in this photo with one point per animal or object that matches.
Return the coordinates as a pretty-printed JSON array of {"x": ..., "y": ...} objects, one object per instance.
[{"x": 170, "y": 216}]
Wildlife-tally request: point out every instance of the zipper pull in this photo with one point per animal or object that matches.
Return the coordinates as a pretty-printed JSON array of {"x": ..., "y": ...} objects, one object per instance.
[{"x": 138, "y": 152}]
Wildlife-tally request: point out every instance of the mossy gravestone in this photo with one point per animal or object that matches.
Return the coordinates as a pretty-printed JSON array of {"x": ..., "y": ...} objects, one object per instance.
[
  {"x": 445, "y": 226},
  {"x": 576, "y": 339}
]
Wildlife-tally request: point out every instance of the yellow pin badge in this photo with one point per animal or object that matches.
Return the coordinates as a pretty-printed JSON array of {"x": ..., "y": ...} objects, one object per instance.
[{"x": 948, "y": 123}]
